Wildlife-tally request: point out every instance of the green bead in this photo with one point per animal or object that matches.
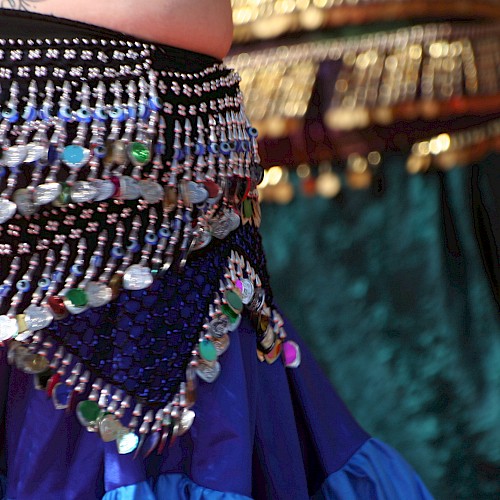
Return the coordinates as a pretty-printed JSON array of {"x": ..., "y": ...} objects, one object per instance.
[
  {"x": 207, "y": 350},
  {"x": 247, "y": 209},
  {"x": 64, "y": 197},
  {"x": 139, "y": 153},
  {"x": 226, "y": 310},
  {"x": 77, "y": 297},
  {"x": 88, "y": 412},
  {"x": 234, "y": 301}
]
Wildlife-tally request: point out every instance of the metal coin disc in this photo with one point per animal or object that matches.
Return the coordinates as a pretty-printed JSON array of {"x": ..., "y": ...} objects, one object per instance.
[
  {"x": 47, "y": 193},
  {"x": 83, "y": 192},
  {"x": 7, "y": 210},
  {"x": 129, "y": 188},
  {"x": 218, "y": 327},
  {"x": 35, "y": 151},
  {"x": 258, "y": 299},
  {"x": 220, "y": 227},
  {"x": 233, "y": 326},
  {"x": 110, "y": 428},
  {"x": 203, "y": 239},
  {"x": 247, "y": 291},
  {"x": 127, "y": 443},
  {"x": 8, "y": 328},
  {"x": 38, "y": 317},
  {"x": 23, "y": 198},
  {"x": 208, "y": 371},
  {"x": 151, "y": 191},
  {"x": 137, "y": 277},
  {"x": 105, "y": 189},
  {"x": 16, "y": 351},
  {"x": 14, "y": 155},
  {"x": 221, "y": 344},
  {"x": 234, "y": 220},
  {"x": 34, "y": 363},
  {"x": 196, "y": 192},
  {"x": 98, "y": 294}
]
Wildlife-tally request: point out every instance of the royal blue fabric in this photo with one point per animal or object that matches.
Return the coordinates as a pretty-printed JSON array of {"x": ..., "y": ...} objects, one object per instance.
[{"x": 261, "y": 431}]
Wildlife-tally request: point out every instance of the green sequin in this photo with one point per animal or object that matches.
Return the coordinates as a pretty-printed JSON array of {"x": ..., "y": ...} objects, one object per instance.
[
  {"x": 208, "y": 350},
  {"x": 232, "y": 316},
  {"x": 88, "y": 411},
  {"x": 234, "y": 301},
  {"x": 139, "y": 153},
  {"x": 247, "y": 209},
  {"x": 77, "y": 297}
]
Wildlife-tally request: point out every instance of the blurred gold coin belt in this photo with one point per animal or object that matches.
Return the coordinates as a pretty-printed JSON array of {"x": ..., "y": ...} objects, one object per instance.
[{"x": 424, "y": 71}]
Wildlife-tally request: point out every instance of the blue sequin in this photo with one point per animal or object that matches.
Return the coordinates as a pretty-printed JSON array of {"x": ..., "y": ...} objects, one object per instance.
[
  {"x": 23, "y": 285},
  {"x": 117, "y": 252},
  {"x": 117, "y": 113},
  {"x": 132, "y": 112},
  {"x": 57, "y": 276},
  {"x": 143, "y": 112},
  {"x": 77, "y": 270},
  {"x": 11, "y": 114},
  {"x": 100, "y": 152},
  {"x": 200, "y": 149},
  {"x": 155, "y": 103},
  {"x": 133, "y": 246},
  {"x": 151, "y": 238},
  {"x": 96, "y": 260},
  {"x": 65, "y": 113},
  {"x": 29, "y": 113},
  {"x": 253, "y": 132},
  {"x": 164, "y": 233},
  {"x": 44, "y": 283},
  {"x": 46, "y": 113},
  {"x": 101, "y": 114},
  {"x": 84, "y": 115}
]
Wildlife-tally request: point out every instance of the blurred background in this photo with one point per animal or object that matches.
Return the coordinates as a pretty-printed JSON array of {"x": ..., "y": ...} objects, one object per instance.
[{"x": 379, "y": 128}]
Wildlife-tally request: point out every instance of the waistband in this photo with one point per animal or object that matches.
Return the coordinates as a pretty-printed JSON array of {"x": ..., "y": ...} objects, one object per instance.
[{"x": 20, "y": 29}]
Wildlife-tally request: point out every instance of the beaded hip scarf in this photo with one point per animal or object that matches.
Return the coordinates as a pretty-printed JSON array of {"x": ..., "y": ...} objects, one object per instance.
[{"x": 129, "y": 247}]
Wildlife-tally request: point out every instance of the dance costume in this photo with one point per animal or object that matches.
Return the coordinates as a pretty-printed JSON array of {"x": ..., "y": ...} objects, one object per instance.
[{"x": 144, "y": 350}]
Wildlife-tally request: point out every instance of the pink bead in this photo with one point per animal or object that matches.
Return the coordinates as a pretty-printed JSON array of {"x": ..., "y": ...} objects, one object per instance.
[{"x": 291, "y": 354}]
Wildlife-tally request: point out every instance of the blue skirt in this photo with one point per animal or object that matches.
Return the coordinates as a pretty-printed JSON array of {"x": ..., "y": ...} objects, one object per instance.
[{"x": 263, "y": 431}]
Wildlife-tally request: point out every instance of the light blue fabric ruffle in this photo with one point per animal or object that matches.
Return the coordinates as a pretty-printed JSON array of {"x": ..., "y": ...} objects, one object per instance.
[
  {"x": 170, "y": 486},
  {"x": 375, "y": 472}
]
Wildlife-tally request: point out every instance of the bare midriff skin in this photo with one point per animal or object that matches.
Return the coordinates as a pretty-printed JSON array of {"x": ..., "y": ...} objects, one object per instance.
[{"x": 200, "y": 25}]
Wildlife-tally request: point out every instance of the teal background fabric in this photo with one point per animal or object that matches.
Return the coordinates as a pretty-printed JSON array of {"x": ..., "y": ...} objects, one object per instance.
[{"x": 391, "y": 293}]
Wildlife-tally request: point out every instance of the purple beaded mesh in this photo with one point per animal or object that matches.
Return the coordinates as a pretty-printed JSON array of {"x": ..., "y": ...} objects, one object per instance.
[{"x": 142, "y": 342}]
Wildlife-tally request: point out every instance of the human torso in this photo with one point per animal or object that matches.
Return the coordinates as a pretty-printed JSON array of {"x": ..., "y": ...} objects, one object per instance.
[{"x": 200, "y": 25}]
